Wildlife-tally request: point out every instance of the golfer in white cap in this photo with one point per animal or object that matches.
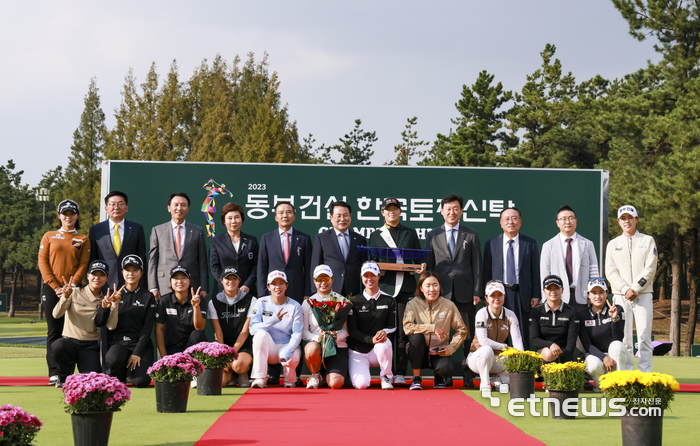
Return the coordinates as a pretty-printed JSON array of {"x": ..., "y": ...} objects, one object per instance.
[{"x": 630, "y": 266}]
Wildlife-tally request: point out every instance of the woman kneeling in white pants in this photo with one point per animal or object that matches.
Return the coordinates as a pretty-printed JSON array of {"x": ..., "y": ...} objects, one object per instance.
[
  {"x": 276, "y": 327},
  {"x": 494, "y": 324},
  {"x": 601, "y": 332}
]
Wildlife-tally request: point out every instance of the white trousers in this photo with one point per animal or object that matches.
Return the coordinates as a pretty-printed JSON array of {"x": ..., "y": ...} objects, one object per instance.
[
  {"x": 265, "y": 352},
  {"x": 483, "y": 361},
  {"x": 380, "y": 356},
  {"x": 640, "y": 312},
  {"x": 618, "y": 352}
]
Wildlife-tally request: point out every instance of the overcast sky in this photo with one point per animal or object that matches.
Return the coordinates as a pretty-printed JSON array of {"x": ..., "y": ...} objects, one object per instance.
[{"x": 380, "y": 61}]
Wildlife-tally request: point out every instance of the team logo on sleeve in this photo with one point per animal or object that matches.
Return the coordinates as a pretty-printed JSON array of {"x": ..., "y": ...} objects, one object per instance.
[{"x": 480, "y": 324}]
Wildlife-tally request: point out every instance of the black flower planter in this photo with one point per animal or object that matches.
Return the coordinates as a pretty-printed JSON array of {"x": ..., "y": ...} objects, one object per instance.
[
  {"x": 91, "y": 428},
  {"x": 209, "y": 382},
  {"x": 562, "y": 396},
  {"x": 522, "y": 384},
  {"x": 642, "y": 430},
  {"x": 171, "y": 397}
]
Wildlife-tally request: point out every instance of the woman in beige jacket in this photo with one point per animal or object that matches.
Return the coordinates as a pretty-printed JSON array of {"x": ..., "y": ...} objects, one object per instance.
[
  {"x": 427, "y": 321},
  {"x": 79, "y": 346}
]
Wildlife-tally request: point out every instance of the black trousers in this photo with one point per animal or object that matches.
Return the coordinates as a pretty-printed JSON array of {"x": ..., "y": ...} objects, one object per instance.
[
  {"x": 54, "y": 326},
  {"x": 400, "y": 337},
  {"x": 420, "y": 357},
  {"x": 513, "y": 303},
  {"x": 468, "y": 313},
  {"x": 71, "y": 352},
  {"x": 117, "y": 357},
  {"x": 196, "y": 336}
]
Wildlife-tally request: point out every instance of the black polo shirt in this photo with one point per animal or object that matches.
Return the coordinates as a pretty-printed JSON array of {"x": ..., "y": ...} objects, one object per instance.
[
  {"x": 560, "y": 326},
  {"x": 178, "y": 319},
  {"x": 232, "y": 318},
  {"x": 137, "y": 312},
  {"x": 598, "y": 330},
  {"x": 367, "y": 317}
]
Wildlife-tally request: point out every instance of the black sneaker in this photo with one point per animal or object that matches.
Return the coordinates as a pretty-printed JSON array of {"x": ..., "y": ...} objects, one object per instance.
[
  {"x": 417, "y": 383},
  {"x": 439, "y": 382},
  {"x": 467, "y": 382},
  {"x": 273, "y": 380}
]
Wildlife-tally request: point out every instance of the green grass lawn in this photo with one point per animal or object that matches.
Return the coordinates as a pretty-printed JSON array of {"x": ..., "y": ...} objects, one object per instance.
[
  {"x": 681, "y": 422},
  {"x": 137, "y": 423},
  {"x": 21, "y": 325}
]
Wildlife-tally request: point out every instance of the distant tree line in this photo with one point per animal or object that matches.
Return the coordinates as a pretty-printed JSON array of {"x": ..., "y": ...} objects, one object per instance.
[{"x": 643, "y": 128}]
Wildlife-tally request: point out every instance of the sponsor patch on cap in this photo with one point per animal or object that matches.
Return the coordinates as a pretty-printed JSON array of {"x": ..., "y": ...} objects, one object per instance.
[
  {"x": 68, "y": 205},
  {"x": 389, "y": 201},
  {"x": 98, "y": 265},
  {"x": 179, "y": 269},
  {"x": 323, "y": 269},
  {"x": 495, "y": 286},
  {"x": 371, "y": 267},
  {"x": 132, "y": 259},
  {"x": 552, "y": 280},
  {"x": 627, "y": 209},
  {"x": 276, "y": 275},
  {"x": 228, "y": 271}
]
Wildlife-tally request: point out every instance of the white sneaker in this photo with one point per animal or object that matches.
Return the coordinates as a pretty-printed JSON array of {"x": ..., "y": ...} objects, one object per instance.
[
  {"x": 399, "y": 379},
  {"x": 503, "y": 388},
  {"x": 313, "y": 381},
  {"x": 386, "y": 383},
  {"x": 193, "y": 383},
  {"x": 290, "y": 383},
  {"x": 260, "y": 383},
  {"x": 53, "y": 379}
]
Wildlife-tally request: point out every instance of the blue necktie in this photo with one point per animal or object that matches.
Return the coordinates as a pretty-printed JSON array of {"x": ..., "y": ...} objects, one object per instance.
[
  {"x": 343, "y": 245},
  {"x": 510, "y": 264},
  {"x": 451, "y": 241}
]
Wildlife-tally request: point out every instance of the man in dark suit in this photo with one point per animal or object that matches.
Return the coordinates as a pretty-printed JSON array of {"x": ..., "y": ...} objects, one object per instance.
[
  {"x": 514, "y": 258},
  {"x": 398, "y": 284},
  {"x": 456, "y": 257},
  {"x": 177, "y": 243},
  {"x": 116, "y": 238},
  {"x": 289, "y": 250},
  {"x": 337, "y": 248}
]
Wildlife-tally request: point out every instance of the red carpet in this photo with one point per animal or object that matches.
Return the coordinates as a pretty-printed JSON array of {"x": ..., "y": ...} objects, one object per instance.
[
  {"x": 44, "y": 381},
  {"x": 367, "y": 417}
]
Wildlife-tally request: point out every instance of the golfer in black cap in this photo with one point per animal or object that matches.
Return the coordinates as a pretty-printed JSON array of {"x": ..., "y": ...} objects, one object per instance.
[
  {"x": 130, "y": 350},
  {"x": 229, "y": 313},
  {"x": 554, "y": 325},
  {"x": 180, "y": 320}
]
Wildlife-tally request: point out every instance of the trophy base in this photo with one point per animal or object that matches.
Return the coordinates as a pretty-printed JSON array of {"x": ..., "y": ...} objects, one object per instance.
[{"x": 405, "y": 267}]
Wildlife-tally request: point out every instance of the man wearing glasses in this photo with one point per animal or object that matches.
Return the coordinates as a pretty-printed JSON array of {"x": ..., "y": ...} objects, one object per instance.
[
  {"x": 116, "y": 238},
  {"x": 514, "y": 259},
  {"x": 571, "y": 257}
]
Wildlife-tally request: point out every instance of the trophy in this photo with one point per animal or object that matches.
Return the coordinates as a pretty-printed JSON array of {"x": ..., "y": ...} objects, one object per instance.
[{"x": 399, "y": 255}]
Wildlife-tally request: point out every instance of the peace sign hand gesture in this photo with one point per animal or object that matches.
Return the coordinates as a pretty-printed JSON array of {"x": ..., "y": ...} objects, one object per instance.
[
  {"x": 67, "y": 288},
  {"x": 196, "y": 299}
]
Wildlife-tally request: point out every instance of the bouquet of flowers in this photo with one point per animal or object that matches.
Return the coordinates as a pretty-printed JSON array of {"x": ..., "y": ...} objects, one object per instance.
[
  {"x": 331, "y": 314},
  {"x": 17, "y": 427},
  {"x": 175, "y": 367},
  {"x": 94, "y": 392},
  {"x": 212, "y": 354},
  {"x": 515, "y": 360},
  {"x": 640, "y": 389},
  {"x": 566, "y": 376}
]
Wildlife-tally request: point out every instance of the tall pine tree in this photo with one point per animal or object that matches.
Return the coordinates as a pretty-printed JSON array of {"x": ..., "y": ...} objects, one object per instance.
[{"x": 82, "y": 177}]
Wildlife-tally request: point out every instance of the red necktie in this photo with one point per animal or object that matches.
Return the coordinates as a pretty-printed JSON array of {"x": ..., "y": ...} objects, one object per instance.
[
  {"x": 285, "y": 249},
  {"x": 178, "y": 241}
]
